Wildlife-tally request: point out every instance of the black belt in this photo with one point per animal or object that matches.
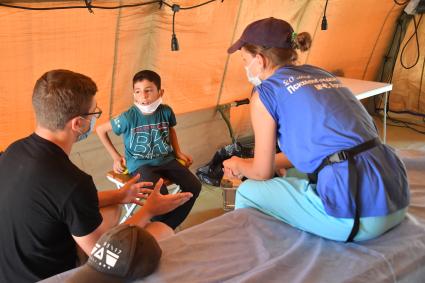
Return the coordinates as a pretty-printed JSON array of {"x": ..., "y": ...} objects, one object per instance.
[{"x": 348, "y": 154}]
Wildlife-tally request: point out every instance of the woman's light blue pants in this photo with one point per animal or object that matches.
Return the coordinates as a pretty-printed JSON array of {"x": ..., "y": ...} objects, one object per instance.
[{"x": 293, "y": 200}]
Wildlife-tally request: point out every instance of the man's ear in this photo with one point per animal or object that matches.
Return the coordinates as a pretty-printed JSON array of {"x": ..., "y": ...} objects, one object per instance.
[
  {"x": 76, "y": 123},
  {"x": 161, "y": 92}
]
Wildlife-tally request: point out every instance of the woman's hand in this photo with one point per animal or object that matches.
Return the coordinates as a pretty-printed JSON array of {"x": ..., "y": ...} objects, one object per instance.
[
  {"x": 119, "y": 165},
  {"x": 281, "y": 172},
  {"x": 230, "y": 167}
]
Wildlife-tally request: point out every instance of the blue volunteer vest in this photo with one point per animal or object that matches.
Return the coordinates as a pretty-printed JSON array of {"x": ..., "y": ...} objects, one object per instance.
[{"x": 317, "y": 116}]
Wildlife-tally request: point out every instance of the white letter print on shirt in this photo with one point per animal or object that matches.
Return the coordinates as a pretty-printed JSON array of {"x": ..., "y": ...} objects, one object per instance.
[{"x": 150, "y": 141}]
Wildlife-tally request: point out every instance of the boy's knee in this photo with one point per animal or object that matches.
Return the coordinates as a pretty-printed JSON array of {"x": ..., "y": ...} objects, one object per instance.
[
  {"x": 197, "y": 188},
  {"x": 193, "y": 187}
]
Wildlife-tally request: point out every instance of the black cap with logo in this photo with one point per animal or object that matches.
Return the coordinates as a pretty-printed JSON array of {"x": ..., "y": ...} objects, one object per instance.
[{"x": 124, "y": 253}]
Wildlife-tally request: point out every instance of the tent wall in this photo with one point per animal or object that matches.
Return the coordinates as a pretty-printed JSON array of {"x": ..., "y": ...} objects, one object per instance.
[{"x": 111, "y": 45}]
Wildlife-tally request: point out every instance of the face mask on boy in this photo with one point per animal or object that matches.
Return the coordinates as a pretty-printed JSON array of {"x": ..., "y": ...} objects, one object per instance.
[
  {"x": 255, "y": 80},
  {"x": 83, "y": 136},
  {"x": 148, "y": 109}
]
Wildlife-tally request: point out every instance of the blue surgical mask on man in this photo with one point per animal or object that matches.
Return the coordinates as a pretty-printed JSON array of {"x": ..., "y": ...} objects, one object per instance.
[
  {"x": 255, "y": 80},
  {"x": 83, "y": 136}
]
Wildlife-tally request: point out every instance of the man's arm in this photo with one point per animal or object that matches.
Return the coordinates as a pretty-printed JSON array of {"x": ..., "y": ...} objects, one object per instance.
[
  {"x": 155, "y": 204},
  {"x": 131, "y": 192},
  {"x": 87, "y": 242}
]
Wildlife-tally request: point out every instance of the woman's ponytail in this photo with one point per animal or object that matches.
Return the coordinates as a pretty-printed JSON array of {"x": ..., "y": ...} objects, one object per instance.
[{"x": 302, "y": 41}]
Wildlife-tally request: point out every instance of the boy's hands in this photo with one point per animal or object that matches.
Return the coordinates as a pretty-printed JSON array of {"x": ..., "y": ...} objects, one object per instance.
[
  {"x": 158, "y": 204},
  {"x": 187, "y": 159},
  {"x": 119, "y": 165}
]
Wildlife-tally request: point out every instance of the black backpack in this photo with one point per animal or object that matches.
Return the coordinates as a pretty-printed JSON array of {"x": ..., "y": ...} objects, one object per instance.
[{"x": 212, "y": 172}]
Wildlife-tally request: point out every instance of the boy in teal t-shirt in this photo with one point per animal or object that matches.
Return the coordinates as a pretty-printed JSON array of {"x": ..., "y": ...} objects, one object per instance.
[{"x": 151, "y": 145}]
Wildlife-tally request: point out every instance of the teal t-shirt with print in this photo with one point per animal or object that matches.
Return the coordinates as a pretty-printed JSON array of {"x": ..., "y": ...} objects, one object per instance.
[{"x": 146, "y": 137}]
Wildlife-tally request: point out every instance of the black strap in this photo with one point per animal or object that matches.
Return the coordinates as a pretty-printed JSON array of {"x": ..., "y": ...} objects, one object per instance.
[
  {"x": 353, "y": 185},
  {"x": 341, "y": 156}
]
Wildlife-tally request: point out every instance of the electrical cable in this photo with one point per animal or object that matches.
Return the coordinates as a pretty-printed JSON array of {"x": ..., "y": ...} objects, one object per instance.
[
  {"x": 79, "y": 7},
  {"x": 88, "y": 4},
  {"x": 404, "y": 112},
  {"x": 388, "y": 59},
  {"x": 416, "y": 25},
  {"x": 415, "y": 33},
  {"x": 406, "y": 124},
  {"x": 420, "y": 86},
  {"x": 175, "y": 8}
]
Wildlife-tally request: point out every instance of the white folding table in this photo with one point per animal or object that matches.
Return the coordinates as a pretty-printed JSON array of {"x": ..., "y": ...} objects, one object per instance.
[{"x": 364, "y": 89}]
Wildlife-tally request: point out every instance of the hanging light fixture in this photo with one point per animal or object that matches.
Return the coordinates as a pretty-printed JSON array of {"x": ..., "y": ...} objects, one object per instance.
[{"x": 174, "y": 41}]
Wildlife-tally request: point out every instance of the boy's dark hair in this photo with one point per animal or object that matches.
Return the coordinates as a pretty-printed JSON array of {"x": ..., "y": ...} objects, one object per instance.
[
  {"x": 59, "y": 96},
  {"x": 147, "y": 75}
]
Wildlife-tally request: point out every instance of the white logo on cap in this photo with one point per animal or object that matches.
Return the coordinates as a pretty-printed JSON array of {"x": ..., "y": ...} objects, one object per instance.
[{"x": 112, "y": 255}]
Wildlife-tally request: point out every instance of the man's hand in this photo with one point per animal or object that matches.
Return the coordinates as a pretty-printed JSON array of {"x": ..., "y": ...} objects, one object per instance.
[
  {"x": 158, "y": 204},
  {"x": 133, "y": 192}
]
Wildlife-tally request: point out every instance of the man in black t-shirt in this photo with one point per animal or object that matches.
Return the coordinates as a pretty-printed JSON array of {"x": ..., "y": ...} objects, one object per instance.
[{"x": 47, "y": 204}]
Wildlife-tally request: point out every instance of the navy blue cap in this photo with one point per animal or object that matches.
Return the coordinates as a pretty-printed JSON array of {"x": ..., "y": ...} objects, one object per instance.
[{"x": 270, "y": 32}]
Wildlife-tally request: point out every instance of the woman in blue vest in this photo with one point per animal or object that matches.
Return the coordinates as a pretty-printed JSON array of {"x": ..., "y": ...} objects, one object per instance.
[{"x": 357, "y": 187}]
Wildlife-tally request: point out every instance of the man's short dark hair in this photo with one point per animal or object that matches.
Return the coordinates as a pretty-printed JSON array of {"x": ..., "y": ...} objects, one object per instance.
[
  {"x": 59, "y": 96},
  {"x": 147, "y": 75}
]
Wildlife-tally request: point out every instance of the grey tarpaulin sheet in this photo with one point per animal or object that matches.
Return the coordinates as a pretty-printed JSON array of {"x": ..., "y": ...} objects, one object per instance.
[{"x": 248, "y": 246}]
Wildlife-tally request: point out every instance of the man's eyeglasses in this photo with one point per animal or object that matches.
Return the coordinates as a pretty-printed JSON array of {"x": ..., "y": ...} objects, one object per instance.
[{"x": 97, "y": 112}]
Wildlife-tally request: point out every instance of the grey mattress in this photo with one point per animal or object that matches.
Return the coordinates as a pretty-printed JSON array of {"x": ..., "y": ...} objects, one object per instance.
[{"x": 248, "y": 246}]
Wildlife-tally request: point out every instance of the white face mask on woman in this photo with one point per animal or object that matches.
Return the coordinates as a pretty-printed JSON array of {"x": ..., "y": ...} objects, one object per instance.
[
  {"x": 148, "y": 109},
  {"x": 255, "y": 80}
]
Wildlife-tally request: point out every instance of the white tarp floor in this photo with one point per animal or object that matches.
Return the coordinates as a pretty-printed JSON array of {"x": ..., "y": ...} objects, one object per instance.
[{"x": 248, "y": 246}]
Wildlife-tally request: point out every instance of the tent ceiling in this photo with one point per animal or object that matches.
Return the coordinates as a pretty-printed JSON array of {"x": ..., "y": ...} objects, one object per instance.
[{"x": 111, "y": 45}]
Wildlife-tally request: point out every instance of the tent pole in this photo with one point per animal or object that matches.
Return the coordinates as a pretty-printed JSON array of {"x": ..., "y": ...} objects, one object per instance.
[{"x": 114, "y": 66}]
